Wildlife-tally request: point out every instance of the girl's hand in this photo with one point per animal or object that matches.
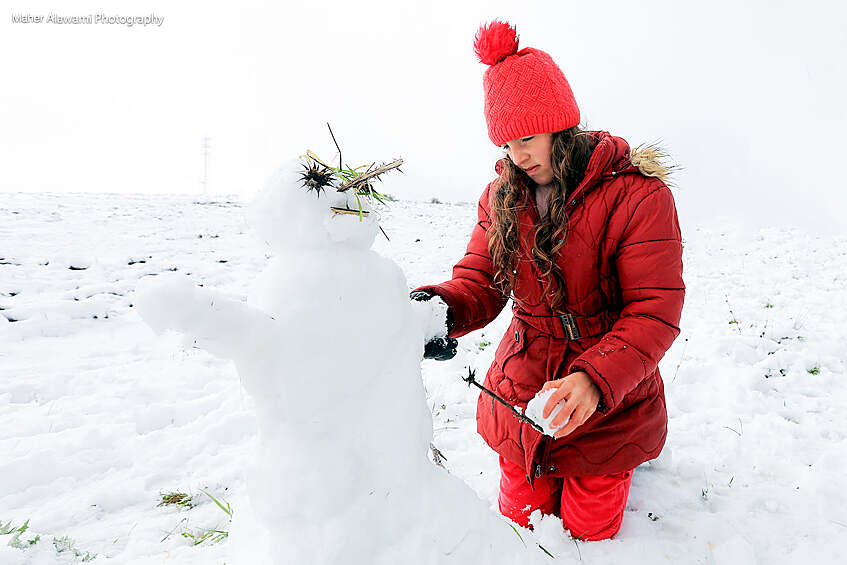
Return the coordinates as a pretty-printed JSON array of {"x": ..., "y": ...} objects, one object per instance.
[{"x": 581, "y": 397}]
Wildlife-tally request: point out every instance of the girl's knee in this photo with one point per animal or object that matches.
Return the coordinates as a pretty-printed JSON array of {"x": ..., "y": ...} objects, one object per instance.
[
  {"x": 593, "y": 507},
  {"x": 593, "y": 531}
]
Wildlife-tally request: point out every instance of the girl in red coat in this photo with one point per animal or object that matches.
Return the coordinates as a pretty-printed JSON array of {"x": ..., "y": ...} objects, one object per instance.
[{"x": 582, "y": 234}]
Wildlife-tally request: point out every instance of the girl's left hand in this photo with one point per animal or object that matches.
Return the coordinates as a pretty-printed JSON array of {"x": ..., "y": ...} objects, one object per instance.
[{"x": 581, "y": 397}]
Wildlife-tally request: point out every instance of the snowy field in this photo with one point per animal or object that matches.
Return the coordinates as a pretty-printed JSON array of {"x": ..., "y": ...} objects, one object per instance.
[{"x": 102, "y": 421}]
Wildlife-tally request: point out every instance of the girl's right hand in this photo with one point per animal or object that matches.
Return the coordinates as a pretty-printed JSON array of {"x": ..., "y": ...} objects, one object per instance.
[{"x": 581, "y": 398}]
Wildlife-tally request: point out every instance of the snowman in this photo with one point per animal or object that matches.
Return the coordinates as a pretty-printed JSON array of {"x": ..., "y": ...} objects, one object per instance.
[{"x": 329, "y": 347}]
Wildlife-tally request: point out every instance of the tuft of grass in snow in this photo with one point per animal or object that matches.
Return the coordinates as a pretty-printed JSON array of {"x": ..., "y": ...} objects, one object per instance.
[
  {"x": 814, "y": 370},
  {"x": 65, "y": 544},
  {"x": 197, "y": 535},
  {"x": 211, "y": 535},
  {"x": 551, "y": 555},
  {"x": 15, "y": 541},
  {"x": 176, "y": 499},
  {"x": 202, "y": 535},
  {"x": 733, "y": 320},
  {"x": 62, "y": 545},
  {"x": 517, "y": 533},
  {"x": 575, "y": 542},
  {"x": 483, "y": 343},
  {"x": 227, "y": 509},
  {"x": 541, "y": 547}
]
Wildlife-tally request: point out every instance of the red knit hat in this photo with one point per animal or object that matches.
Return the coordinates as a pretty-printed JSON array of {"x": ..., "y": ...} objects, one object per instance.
[{"x": 525, "y": 91}]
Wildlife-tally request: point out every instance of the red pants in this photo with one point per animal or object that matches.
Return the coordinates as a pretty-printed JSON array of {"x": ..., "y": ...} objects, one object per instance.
[{"x": 591, "y": 507}]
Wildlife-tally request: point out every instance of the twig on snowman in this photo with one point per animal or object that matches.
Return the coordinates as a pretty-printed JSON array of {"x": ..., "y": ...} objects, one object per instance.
[
  {"x": 347, "y": 211},
  {"x": 361, "y": 184},
  {"x": 358, "y": 213},
  {"x": 336, "y": 145},
  {"x": 317, "y": 176},
  {"x": 523, "y": 417}
]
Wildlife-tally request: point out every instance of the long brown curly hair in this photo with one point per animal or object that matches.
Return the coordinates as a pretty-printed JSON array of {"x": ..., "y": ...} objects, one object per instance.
[{"x": 571, "y": 150}]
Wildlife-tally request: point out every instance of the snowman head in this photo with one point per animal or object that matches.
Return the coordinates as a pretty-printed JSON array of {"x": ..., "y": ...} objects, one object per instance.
[{"x": 287, "y": 215}]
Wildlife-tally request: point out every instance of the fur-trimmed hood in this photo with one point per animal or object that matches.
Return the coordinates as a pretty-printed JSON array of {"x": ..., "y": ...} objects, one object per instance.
[{"x": 651, "y": 160}]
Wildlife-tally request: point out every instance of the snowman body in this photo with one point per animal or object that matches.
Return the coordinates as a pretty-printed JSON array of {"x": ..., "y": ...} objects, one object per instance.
[{"x": 329, "y": 347}]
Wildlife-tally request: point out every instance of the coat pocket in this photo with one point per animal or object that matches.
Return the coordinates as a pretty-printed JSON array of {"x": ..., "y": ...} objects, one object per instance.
[
  {"x": 645, "y": 390},
  {"x": 513, "y": 343}
]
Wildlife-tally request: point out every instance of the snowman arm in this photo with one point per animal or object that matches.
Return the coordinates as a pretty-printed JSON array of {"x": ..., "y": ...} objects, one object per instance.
[
  {"x": 229, "y": 328},
  {"x": 208, "y": 319}
]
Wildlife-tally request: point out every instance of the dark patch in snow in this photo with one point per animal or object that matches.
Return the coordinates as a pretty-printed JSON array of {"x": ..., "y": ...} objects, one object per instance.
[{"x": 226, "y": 204}]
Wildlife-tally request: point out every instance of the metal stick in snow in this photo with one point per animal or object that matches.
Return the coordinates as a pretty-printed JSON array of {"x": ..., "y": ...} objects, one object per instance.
[{"x": 520, "y": 416}]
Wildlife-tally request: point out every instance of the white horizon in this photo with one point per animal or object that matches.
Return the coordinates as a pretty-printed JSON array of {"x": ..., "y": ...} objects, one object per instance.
[{"x": 745, "y": 96}]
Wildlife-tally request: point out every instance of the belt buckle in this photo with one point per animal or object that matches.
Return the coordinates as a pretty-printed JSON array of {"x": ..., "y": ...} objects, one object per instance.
[{"x": 569, "y": 323}]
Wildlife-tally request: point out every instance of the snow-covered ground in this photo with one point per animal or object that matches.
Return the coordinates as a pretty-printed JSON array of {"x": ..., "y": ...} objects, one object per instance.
[{"x": 100, "y": 417}]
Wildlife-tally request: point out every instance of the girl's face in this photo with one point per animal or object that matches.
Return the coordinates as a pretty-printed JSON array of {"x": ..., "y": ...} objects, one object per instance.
[{"x": 532, "y": 154}]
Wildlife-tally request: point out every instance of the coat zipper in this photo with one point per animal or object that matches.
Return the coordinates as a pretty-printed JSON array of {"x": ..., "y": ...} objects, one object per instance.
[
  {"x": 545, "y": 462},
  {"x": 544, "y": 466}
]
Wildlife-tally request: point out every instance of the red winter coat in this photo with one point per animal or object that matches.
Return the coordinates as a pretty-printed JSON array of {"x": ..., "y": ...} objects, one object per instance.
[{"x": 622, "y": 265}]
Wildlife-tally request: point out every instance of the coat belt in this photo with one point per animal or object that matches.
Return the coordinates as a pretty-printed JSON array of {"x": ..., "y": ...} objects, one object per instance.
[{"x": 567, "y": 326}]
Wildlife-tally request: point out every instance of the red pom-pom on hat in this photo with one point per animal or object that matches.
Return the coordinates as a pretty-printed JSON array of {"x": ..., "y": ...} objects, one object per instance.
[
  {"x": 495, "y": 41},
  {"x": 525, "y": 91}
]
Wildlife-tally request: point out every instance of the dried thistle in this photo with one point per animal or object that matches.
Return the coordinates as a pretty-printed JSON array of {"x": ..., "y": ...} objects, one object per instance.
[{"x": 317, "y": 176}]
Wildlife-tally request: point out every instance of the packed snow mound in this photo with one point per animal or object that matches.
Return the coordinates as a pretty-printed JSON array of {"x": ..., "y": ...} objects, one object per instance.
[
  {"x": 433, "y": 316},
  {"x": 329, "y": 347}
]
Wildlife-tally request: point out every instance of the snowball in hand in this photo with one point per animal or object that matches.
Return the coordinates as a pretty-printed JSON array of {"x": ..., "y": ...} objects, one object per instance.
[{"x": 535, "y": 409}]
